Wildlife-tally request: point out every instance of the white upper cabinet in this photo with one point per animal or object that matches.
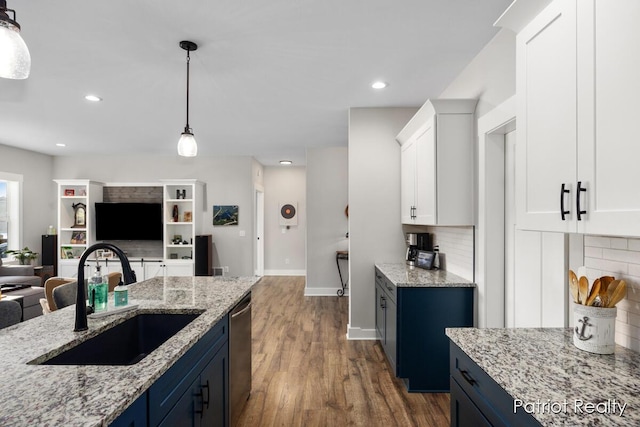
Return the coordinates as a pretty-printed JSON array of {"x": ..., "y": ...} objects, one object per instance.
[
  {"x": 546, "y": 114},
  {"x": 576, "y": 87},
  {"x": 437, "y": 164},
  {"x": 608, "y": 94}
]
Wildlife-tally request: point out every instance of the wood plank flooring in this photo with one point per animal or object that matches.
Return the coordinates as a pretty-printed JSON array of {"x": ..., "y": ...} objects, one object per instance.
[{"x": 306, "y": 373}]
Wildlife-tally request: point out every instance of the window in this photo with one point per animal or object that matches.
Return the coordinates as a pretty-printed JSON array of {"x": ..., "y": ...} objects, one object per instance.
[
  {"x": 10, "y": 215},
  {"x": 4, "y": 219}
]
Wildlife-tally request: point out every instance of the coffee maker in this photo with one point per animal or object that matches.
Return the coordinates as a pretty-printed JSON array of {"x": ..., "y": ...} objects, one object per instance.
[{"x": 417, "y": 242}]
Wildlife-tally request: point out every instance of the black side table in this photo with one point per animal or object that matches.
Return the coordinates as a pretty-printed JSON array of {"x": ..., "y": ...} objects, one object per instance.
[{"x": 343, "y": 282}]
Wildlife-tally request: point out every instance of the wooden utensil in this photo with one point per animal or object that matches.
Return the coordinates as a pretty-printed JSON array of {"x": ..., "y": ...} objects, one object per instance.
[
  {"x": 595, "y": 291},
  {"x": 605, "y": 281},
  {"x": 573, "y": 286},
  {"x": 583, "y": 290},
  {"x": 617, "y": 294}
]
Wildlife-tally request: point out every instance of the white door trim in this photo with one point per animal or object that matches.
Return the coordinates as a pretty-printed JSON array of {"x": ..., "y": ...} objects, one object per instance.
[
  {"x": 259, "y": 230},
  {"x": 490, "y": 303}
]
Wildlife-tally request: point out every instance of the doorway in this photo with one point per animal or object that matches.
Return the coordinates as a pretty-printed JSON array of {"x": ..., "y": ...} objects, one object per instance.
[{"x": 520, "y": 273}]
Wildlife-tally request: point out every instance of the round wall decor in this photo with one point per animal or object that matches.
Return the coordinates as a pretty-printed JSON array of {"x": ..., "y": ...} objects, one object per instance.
[{"x": 288, "y": 211}]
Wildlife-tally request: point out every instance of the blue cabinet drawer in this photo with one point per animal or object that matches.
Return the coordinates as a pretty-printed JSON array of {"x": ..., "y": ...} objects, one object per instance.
[{"x": 389, "y": 288}]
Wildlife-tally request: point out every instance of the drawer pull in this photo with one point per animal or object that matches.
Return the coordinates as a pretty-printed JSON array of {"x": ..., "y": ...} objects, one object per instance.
[
  {"x": 390, "y": 288},
  {"x": 467, "y": 377}
]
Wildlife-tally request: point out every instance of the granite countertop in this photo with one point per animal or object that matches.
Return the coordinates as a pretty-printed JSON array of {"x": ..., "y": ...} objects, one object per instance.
[
  {"x": 404, "y": 276},
  {"x": 96, "y": 395},
  {"x": 543, "y": 365}
]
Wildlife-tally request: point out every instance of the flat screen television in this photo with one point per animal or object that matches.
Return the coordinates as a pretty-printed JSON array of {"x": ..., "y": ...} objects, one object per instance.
[{"x": 128, "y": 221}]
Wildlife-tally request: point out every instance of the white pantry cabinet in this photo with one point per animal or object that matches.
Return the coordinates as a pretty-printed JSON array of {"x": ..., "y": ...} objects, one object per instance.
[
  {"x": 577, "y": 104},
  {"x": 437, "y": 158}
]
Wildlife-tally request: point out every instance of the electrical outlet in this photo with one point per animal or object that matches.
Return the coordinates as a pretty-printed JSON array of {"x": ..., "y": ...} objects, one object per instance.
[
  {"x": 286, "y": 260},
  {"x": 226, "y": 268}
]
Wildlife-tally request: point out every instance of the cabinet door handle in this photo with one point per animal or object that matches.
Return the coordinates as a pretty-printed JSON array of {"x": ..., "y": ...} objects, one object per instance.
[
  {"x": 563, "y": 191},
  {"x": 467, "y": 377},
  {"x": 199, "y": 394},
  {"x": 382, "y": 300},
  {"x": 578, "y": 208},
  {"x": 206, "y": 402}
]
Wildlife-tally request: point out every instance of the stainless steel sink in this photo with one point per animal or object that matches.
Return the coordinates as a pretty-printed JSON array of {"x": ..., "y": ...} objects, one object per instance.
[{"x": 126, "y": 343}]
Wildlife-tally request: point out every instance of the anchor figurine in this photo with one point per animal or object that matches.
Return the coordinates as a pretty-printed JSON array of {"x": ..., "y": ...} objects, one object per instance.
[{"x": 585, "y": 323}]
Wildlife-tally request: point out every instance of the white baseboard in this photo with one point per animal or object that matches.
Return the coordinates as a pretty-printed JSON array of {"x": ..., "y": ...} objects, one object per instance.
[
  {"x": 323, "y": 292},
  {"x": 285, "y": 272},
  {"x": 361, "y": 334}
]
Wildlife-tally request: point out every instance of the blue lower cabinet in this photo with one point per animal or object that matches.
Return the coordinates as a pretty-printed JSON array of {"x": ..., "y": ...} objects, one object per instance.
[
  {"x": 204, "y": 403},
  {"x": 463, "y": 412},
  {"x": 478, "y": 400},
  {"x": 215, "y": 390},
  {"x": 184, "y": 412},
  {"x": 423, "y": 348},
  {"x": 410, "y": 323},
  {"x": 193, "y": 392},
  {"x": 134, "y": 416}
]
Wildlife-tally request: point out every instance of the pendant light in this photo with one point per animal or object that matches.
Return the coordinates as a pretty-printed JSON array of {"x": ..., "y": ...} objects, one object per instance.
[
  {"x": 187, "y": 145},
  {"x": 15, "y": 60}
]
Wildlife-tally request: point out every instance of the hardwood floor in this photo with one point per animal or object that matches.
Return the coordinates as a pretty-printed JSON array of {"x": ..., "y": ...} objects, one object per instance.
[{"x": 306, "y": 373}]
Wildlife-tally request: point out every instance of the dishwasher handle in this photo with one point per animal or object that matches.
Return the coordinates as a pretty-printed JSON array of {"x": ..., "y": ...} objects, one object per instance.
[{"x": 241, "y": 312}]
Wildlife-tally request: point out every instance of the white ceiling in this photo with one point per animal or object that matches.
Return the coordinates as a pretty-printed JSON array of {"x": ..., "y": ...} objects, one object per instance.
[{"x": 270, "y": 77}]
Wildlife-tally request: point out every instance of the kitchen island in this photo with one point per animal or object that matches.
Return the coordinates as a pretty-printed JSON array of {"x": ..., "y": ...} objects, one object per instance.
[
  {"x": 33, "y": 394},
  {"x": 540, "y": 374}
]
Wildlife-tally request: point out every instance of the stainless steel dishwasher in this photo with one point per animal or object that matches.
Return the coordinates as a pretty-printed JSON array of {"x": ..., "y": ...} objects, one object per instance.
[{"x": 239, "y": 357}]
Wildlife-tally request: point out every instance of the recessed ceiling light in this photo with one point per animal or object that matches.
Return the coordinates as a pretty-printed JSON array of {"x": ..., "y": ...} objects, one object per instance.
[
  {"x": 379, "y": 85},
  {"x": 286, "y": 162},
  {"x": 59, "y": 144},
  {"x": 93, "y": 98}
]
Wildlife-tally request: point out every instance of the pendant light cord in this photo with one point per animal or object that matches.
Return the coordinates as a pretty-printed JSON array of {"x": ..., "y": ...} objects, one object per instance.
[{"x": 187, "y": 128}]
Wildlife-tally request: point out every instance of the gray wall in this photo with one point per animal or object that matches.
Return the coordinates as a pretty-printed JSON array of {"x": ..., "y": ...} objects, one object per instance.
[
  {"x": 39, "y": 192},
  {"x": 490, "y": 77},
  {"x": 229, "y": 180},
  {"x": 284, "y": 248},
  {"x": 327, "y": 224},
  {"x": 375, "y": 232}
]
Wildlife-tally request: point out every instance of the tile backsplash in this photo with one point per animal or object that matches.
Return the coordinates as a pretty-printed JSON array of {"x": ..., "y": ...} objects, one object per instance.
[
  {"x": 618, "y": 257},
  {"x": 456, "y": 243}
]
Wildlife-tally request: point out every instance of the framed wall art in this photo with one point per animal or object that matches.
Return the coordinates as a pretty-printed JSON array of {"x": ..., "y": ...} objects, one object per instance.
[{"x": 225, "y": 214}]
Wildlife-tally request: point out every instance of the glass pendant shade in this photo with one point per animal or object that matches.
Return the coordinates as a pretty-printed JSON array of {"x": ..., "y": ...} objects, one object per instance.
[
  {"x": 15, "y": 60},
  {"x": 187, "y": 145}
]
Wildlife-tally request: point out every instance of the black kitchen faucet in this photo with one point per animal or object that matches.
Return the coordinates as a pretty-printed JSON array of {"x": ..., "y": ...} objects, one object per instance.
[{"x": 128, "y": 275}]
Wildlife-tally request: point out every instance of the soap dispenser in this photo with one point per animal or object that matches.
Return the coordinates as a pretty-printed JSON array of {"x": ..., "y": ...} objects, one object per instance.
[
  {"x": 121, "y": 295},
  {"x": 98, "y": 291}
]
